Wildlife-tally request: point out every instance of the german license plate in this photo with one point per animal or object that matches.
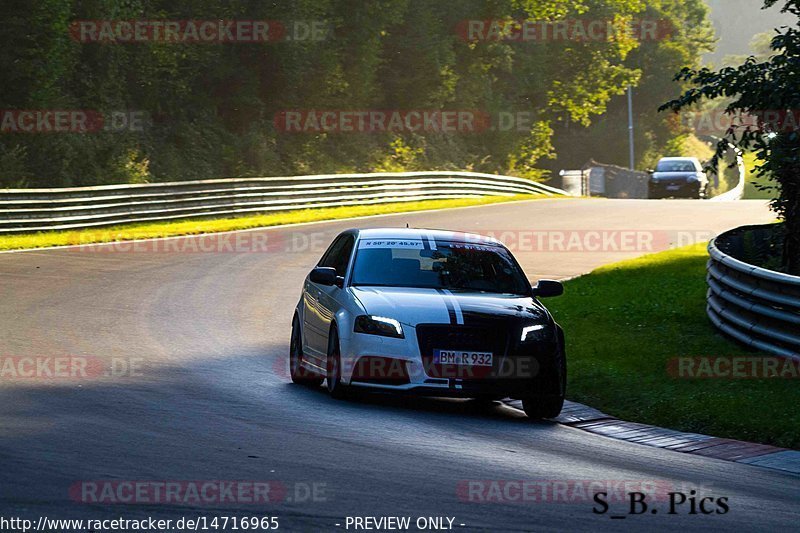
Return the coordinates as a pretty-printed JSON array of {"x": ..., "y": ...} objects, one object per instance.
[{"x": 459, "y": 357}]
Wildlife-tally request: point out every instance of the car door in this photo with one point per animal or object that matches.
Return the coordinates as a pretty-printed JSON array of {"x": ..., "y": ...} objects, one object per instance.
[
  {"x": 320, "y": 300},
  {"x": 330, "y": 298}
]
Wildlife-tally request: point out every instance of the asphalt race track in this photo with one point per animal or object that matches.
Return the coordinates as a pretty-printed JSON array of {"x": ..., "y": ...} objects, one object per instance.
[{"x": 207, "y": 333}]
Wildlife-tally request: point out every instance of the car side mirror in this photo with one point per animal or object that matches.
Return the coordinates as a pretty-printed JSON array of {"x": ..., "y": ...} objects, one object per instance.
[
  {"x": 323, "y": 275},
  {"x": 650, "y": 171},
  {"x": 548, "y": 287}
]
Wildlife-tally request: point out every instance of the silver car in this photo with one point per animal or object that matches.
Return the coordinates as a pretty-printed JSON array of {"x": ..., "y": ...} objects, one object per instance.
[{"x": 430, "y": 312}]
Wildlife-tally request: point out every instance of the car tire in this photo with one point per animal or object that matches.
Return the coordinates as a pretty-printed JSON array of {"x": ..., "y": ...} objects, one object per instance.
[
  {"x": 543, "y": 406},
  {"x": 336, "y": 388},
  {"x": 297, "y": 372},
  {"x": 550, "y": 405}
]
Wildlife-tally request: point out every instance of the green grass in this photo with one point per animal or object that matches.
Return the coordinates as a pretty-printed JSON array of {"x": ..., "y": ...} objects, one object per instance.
[
  {"x": 751, "y": 192},
  {"x": 625, "y": 321},
  {"x": 197, "y": 226}
]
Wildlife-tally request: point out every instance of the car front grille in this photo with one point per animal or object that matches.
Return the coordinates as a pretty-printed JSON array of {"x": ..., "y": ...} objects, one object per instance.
[
  {"x": 679, "y": 182},
  {"x": 511, "y": 360},
  {"x": 467, "y": 338}
]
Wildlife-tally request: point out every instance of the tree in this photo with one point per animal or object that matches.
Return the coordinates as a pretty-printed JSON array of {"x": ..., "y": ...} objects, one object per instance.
[
  {"x": 686, "y": 35},
  {"x": 769, "y": 91},
  {"x": 211, "y": 108}
]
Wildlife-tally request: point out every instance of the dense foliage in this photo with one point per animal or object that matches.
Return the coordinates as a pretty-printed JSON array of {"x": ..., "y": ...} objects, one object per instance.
[
  {"x": 656, "y": 135},
  {"x": 210, "y": 109},
  {"x": 768, "y": 91}
]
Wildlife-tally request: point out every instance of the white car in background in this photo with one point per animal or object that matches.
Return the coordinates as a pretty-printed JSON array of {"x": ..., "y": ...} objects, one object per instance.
[{"x": 430, "y": 312}]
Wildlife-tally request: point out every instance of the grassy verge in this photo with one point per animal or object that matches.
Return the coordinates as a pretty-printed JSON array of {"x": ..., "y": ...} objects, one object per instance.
[
  {"x": 691, "y": 146},
  {"x": 625, "y": 321},
  {"x": 751, "y": 191},
  {"x": 198, "y": 226}
]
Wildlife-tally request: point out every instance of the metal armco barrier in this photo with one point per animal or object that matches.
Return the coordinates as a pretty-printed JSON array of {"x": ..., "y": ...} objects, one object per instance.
[
  {"x": 738, "y": 191},
  {"x": 25, "y": 210},
  {"x": 756, "y": 306}
]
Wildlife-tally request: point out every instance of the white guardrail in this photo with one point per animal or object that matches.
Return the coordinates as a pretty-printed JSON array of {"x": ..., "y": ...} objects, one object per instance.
[
  {"x": 738, "y": 191},
  {"x": 26, "y": 210},
  {"x": 756, "y": 306}
]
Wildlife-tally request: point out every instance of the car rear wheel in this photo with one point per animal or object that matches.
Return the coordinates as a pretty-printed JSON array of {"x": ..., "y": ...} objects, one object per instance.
[
  {"x": 336, "y": 388},
  {"x": 298, "y": 373}
]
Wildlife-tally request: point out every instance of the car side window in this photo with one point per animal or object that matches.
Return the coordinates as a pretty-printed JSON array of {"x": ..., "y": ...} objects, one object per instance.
[
  {"x": 338, "y": 255},
  {"x": 327, "y": 257},
  {"x": 342, "y": 257}
]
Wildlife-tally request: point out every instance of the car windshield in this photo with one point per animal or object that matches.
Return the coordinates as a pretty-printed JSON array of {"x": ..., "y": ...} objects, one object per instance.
[
  {"x": 445, "y": 265},
  {"x": 675, "y": 166}
]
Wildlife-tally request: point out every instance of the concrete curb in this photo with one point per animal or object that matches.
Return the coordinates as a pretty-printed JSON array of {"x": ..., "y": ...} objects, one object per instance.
[{"x": 589, "y": 419}]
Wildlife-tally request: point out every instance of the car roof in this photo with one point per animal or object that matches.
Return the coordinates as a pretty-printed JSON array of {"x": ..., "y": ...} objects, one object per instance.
[
  {"x": 422, "y": 233},
  {"x": 679, "y": 159}
]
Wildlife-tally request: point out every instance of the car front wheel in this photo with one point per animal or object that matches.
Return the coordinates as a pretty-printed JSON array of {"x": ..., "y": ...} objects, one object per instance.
[
  {"x": 543, "y": 406},
  {"x": 548, "y": 405},
  {"x": 336, "y": 388}
]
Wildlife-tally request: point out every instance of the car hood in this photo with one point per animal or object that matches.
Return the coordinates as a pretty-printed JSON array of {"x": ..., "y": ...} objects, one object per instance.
[{"x": 435, "y": 306}]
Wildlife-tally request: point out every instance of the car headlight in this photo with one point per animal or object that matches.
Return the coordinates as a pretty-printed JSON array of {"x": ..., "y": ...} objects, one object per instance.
[
  {"x": 534, "y": 332},
  {"x": 692, "y": 178},
  {"x": 378, "y": 325}
]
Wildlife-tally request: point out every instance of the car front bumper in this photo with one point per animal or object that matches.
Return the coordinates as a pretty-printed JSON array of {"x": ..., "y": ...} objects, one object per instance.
[
  {"x": 666, "y": 189},
  {"x": 404, "y": 367}
]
